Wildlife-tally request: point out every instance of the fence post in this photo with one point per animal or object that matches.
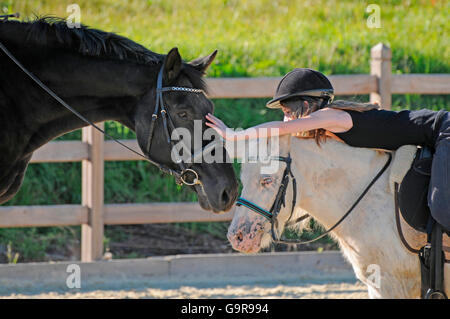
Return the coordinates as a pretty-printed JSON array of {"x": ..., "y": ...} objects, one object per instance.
[
  {"x": 381, "y": 66},
  {"x": 92, "y": 195}
]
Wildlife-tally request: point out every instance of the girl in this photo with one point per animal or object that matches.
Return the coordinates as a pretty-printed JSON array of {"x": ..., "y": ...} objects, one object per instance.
[{"x": 306, "y": 99}]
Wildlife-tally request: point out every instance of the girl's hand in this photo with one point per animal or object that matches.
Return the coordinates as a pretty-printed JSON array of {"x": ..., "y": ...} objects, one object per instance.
[{"x": 219, "y": 127}]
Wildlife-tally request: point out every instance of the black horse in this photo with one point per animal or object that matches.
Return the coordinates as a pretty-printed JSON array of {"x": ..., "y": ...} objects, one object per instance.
[{"x": 103, "y": 76}]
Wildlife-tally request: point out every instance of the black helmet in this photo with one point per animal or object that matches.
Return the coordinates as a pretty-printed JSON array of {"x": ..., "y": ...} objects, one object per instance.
[{"x": 302, "y": 82}]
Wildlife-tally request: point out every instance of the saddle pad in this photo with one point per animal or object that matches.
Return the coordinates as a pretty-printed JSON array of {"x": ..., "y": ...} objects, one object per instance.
[{"x": 401, "y": 163}]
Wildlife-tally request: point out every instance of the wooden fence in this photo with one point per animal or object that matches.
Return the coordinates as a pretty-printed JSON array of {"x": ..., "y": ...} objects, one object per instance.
[{"x": 92, "y": 151}]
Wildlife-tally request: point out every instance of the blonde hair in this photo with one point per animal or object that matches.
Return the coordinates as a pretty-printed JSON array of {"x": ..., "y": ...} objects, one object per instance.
[{"x": 320, "y": 135}]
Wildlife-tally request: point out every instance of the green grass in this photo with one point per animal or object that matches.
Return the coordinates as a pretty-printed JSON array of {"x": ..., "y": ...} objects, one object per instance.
[
  {"x": 267, "y": 37},
  {"x": 254, "y": 38}
]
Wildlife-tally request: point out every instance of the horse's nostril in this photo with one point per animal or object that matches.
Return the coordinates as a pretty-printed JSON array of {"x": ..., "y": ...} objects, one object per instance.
[
  {"x": 239, "y": 236},
  {"x": 225, "y": 197}
]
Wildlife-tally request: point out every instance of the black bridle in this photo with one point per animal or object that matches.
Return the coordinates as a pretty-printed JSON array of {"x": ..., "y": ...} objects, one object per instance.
[
  {"x": 182, "y": 175},
  {"x": 272, "y": 214}
]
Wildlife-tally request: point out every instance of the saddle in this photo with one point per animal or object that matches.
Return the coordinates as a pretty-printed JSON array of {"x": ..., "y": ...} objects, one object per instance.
[
  {"x": 409, "y": 182},
  {"x": 411, "y": 170}
]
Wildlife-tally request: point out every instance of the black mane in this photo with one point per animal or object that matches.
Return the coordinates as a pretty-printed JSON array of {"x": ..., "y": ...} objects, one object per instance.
[
  {"x": 89, "y": 41},
  {"x": 54, "y": 31},
  {"x": 104, "y": 77}
]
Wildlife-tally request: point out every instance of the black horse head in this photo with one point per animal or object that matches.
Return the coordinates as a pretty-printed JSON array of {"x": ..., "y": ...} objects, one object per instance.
[
  {"x": 104, "y": 77},
  {"x": 217, "y": 191}
]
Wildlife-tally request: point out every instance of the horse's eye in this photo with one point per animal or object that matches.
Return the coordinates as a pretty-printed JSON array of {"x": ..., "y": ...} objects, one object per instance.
[
  {"x": 182, "y": 114},
  {"x": 266, "y": 181}
]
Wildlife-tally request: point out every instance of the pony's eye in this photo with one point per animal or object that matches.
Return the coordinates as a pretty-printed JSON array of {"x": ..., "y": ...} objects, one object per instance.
[
  {"x": 182, "y": 114},
  {"x": 266, "y": 181}
]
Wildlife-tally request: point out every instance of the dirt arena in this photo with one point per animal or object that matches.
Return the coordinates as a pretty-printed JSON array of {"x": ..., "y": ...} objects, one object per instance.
[
  {"x": 296, "y": 275},
  {"x": 295, "y": 291}
]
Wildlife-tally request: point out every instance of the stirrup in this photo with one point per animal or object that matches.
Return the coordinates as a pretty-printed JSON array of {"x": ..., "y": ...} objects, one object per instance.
[
  {"x": 435, "y": 294},
  {"x": 434, "y": 260}
]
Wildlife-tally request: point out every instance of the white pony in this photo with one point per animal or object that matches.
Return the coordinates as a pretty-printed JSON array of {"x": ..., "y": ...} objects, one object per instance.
[{"x": 329, "y": 180}]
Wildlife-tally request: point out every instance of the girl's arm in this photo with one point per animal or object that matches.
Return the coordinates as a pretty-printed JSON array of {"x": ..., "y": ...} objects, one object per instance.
[{"x": 320, "y": 119}]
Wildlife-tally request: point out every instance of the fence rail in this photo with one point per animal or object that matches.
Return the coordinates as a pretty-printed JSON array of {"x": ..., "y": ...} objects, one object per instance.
[
  {"x": 114, "y": 214},
  {"x": 343, "y": 84},
  {"x": 92, "y": 151}
]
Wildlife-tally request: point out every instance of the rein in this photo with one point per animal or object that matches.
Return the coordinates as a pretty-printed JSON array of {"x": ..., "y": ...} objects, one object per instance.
[
  {"x": 180, "y": 175},
  {"x": 280, "y": 200},
  {"x": 7, "y": 16}
]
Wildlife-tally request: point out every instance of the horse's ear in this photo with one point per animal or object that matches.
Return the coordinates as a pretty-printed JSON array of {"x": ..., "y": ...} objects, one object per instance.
[
  {"x": 203, "y": 63},
  {"x": 172, "y": 65}
]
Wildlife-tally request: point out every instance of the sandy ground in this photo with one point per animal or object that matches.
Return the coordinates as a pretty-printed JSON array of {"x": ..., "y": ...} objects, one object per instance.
[{"x": 296, "y": 291}]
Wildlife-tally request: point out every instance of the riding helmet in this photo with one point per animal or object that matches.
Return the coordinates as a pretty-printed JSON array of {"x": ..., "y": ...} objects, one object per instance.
[{"x": 302, "y": 82}]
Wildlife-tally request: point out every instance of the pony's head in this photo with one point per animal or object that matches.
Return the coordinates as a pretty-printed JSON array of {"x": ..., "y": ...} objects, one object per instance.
[{"x": 249, "y": 232}]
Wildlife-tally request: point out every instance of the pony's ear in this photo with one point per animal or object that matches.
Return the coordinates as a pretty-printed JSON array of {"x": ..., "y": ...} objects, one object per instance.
[
  {"x": 203, "y": 63},
  {"x": 172, "y": 65}
]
